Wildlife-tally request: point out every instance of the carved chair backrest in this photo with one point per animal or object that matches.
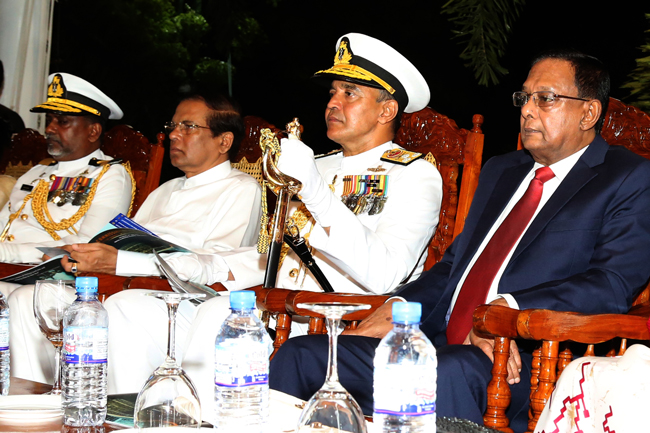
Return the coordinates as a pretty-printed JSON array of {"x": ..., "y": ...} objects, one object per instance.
[
  {"x": 429, "y": 132},
  {"x": 249, "y": 156},
  {"x": 145, "y": 158}
]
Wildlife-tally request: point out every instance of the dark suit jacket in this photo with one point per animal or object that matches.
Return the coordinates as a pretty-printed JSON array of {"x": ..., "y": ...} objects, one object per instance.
[{"x": 588, "y": 249}]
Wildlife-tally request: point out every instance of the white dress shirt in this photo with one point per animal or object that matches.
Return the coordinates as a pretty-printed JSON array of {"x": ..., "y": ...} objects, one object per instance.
[{"x": 217, "y": 210}]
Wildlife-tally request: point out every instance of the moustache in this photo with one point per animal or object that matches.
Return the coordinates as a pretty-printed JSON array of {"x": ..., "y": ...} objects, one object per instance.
[{"x": 52, "y": 139}]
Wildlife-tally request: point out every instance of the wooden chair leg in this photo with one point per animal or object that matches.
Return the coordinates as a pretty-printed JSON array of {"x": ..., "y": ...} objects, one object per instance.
[
  {"x": 282, "y": 330},
  {"x": 316, "y": 326},
  {"x": 498, "y": 391},
  {"x": 547, "y": 379},
  {"x": 534, "y": 377},
  {"x": 566, "y": 356}
]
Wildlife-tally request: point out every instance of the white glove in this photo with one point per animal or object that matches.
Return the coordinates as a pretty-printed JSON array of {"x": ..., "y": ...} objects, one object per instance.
[{"x": 297, "y": 160}]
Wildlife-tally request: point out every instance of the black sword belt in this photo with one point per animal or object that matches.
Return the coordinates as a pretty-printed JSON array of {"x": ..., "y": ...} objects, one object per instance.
[{"x": 299, "y": 246}]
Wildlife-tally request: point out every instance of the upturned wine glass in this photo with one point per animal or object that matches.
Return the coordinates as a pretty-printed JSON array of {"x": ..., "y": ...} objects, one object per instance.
[
  {"x": 169, "y": 398},
  {"x": 51, "y": 298},
  {"x": 332, "y": 408}
]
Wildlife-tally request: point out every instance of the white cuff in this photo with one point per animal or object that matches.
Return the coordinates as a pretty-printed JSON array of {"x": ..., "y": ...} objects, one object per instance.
[
  {"x": 130, "y": 264},
  {"x": 510, "y": 300}
]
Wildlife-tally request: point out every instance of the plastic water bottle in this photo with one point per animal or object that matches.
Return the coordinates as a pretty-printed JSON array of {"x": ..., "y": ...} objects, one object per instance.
[
  {"x": 405, "y": 375},
  {"x": 85, "y": 352},
  {"x": 4, "y": 346},
  {"x": 241, "y": 369}
]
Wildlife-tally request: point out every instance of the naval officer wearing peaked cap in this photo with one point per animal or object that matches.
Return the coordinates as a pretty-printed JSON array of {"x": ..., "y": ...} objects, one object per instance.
[
  {"x": 369, "y": 209},
  {"x": 67, "y": 198}
]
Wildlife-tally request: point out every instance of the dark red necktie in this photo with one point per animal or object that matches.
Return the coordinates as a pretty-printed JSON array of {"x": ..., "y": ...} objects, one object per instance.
[{"x": 477, "y": 284}]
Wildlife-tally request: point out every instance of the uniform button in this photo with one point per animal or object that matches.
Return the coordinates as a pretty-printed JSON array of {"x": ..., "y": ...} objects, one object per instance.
[
  {"x": 24, "y": 217},
  {"x": 293, "y": 273},
  {"x": 52, "y": 177},
  {"x": 10, "y": 238}
]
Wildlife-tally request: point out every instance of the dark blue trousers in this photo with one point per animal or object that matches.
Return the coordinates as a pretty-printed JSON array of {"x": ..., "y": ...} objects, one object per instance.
[{"x": 464, "y": 372}]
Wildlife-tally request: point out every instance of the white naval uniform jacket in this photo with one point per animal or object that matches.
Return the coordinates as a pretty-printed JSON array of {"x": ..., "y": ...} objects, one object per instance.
[
  {"x": 363, "y": 253},
  {"x": 217, "y": 210},
  {"x": 113, "y": 196}
]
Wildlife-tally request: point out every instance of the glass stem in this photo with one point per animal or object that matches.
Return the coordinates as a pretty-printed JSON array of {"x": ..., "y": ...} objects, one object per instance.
[
  {"x": 56, "y": 388},
  {"x": 333, "y": 330},
  {"x": 172, "y": 308}
]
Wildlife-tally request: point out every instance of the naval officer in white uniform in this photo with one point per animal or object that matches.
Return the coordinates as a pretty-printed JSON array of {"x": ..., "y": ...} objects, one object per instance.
[
  {"x": 362, "y": 249},
  {"x": 70, "y": 197}
]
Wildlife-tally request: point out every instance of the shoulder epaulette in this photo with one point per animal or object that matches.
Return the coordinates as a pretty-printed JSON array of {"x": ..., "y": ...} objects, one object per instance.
[
  {"x": 101, "y": 162},
  {"x": 334, "y": 152},
  {"x": 48, "y": 162},
  {"x": 400, "y": 156}
]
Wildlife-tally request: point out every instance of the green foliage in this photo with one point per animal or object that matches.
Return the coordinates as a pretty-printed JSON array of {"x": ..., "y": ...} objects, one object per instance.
[
  {"x": 145, "y": 53},
  {"x": 483, "y": 27},
  {"x": 639, "y": 83}
]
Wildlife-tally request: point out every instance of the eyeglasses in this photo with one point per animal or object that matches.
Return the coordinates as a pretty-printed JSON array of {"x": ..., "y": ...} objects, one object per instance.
[
  {"x": 185, "y": 126},
  {"x": 542, "y": 99}
]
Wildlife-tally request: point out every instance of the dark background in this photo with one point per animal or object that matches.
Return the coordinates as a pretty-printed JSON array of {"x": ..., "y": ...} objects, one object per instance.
[{"x": 272, "y": 79}]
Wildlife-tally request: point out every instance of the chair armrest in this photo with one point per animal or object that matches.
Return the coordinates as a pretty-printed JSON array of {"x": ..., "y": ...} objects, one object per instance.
[
  {"x": 492, "y": 321},
  {"x": 7, "y": 269},
  {"x": 581, "y": 328},
  {"x": 298, "y": 297}
]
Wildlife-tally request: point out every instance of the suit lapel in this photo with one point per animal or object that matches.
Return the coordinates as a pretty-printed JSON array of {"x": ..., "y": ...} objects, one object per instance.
[
  {"x": 581, "y": 173},
  {"x": 504, "y": 188}
]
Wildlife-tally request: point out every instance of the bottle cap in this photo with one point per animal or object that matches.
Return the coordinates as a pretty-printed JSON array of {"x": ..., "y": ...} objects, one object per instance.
[
  {"x": 86, "y": 284},
  {"x": 242, "y": 299},
  {"x": 407, "y": 312}
]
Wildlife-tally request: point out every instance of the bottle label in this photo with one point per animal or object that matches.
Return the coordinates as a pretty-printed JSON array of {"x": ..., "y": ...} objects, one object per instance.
[
  {"x": 4, "y": 333},
  {"x": 85, "y": 344},
  {"x": 405, "y": 390},
  {"x": 241, "y": 363}
]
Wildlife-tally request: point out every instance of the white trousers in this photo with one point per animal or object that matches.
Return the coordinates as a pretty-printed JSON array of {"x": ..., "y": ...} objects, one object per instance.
[
  {"x": 31, "y": 353},
  {"x": 137, "y": 341},
  {"x": 597, "y": 395},
  {"x": 7, "y": 288}
]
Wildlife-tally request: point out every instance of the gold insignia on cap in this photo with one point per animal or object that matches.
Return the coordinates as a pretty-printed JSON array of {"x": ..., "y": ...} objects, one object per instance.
[
  {"x": 342, "y": 67},
  {"x": 343, "y": 54},
  {"x": 400, "y": 156},
  {"x": 54, "y": 102},
  {"x": 56, "y": 88}
]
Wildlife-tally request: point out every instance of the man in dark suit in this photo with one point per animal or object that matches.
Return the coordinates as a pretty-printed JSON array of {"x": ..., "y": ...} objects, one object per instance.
[{"x": 562, "y": 225}]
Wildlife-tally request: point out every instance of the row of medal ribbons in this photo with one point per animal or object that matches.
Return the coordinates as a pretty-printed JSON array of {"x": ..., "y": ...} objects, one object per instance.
[{"x": 365, "y": 193}]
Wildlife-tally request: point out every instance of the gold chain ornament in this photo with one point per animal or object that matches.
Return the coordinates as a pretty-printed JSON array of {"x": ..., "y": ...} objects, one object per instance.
[{"x": 42, "y": 213}]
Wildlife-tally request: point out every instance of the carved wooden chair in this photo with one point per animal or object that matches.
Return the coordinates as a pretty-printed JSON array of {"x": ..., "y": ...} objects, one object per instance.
[
  {"x": 556, "y": 330},
  {"x": 438, "y": 138},
  {"x": 145, "y": 158},
  {"x": 624, "y": 125}
]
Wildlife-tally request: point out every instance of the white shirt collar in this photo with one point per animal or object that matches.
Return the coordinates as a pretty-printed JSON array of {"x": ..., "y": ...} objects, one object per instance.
[
  {"x": 218, "y": 172},
  {"x": 81, "y": 162},
  {"x": 564, "y": 166},
  {"x": 352, "y": 162}
]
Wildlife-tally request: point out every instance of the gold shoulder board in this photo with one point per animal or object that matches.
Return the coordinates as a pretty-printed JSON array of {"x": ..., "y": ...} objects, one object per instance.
[
  {"x": 101, "y": 162},
  {"x": 334, "y": 152},
  {"x": 48, "y": 162},
  {"x": 400, "y": 156}
]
